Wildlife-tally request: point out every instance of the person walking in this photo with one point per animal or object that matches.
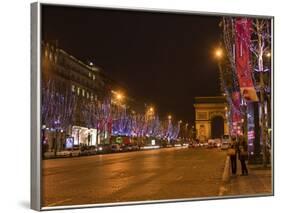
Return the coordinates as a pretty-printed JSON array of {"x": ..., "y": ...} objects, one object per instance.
[
  {"x": 232, "y": 152},
  {"x": 243, "y": 156}
]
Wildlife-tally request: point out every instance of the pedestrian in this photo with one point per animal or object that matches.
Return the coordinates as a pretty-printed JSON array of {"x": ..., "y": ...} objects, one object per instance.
[
  {"x": 232, "y": 152},
  {"x": 243, "y": 156}
]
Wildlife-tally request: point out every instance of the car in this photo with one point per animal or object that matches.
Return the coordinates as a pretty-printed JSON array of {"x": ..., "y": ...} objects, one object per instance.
[
  {"x": 217, "y": 142},
  {"x": 193, "y": 144},
  {"x": 115, "y": 148},
  {"x": 64, "y": 153},
  {"x": 225, "y": 142},
  {"x": 205, "y": 144},
  {"x": 92, "y": 150},
  {"x": 130, "y": 147},
  {"x": 201, "y": 144},
  {"x": 49, "y": 154},
  {"x": 211, "y": 143},
  {"x": 103, "y": 148},
  {"x": 75, "y": 153},
  {"x": 88, "y": 150},
  {"x": 135, "y": 147},
  {"x": 225, "y": 145}
]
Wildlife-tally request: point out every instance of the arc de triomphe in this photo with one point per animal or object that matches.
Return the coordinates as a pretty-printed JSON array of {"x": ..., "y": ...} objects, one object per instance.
[{"x": 206, "y": 109}]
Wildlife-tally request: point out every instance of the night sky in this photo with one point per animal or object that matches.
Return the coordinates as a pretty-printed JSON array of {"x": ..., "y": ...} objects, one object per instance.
[{"x": 162, "y": 59}]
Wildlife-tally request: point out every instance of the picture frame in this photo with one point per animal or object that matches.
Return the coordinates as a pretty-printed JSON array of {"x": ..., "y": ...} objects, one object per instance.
[{"x": 73, "y": 142}]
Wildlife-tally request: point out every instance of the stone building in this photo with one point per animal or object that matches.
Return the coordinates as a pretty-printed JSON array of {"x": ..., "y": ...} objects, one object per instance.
[
  {"x": 210, "y": 117},
  {"x": 65, "y": 74}
]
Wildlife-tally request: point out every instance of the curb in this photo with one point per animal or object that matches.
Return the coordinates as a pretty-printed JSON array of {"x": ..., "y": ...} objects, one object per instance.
[
  {"x": 225, "y": 177},
  {"x": 226, "y": 171}
]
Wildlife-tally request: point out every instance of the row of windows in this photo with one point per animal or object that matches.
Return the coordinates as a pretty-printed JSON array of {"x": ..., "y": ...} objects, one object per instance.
[
  {"x": 83, "y": 92},
  {"x": 51, "y": 56},
  {"x": 70, "y": 65},
  {"x": 92, "y": 76},
  {"x": 74, "y": 77}
]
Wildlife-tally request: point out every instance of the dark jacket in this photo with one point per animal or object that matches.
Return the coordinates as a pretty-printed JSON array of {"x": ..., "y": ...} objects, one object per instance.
[{"x": 243, "y": 151}]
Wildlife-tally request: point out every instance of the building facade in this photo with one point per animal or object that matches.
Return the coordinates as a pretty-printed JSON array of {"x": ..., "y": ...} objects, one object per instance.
[{"x": 68, "y": 85}]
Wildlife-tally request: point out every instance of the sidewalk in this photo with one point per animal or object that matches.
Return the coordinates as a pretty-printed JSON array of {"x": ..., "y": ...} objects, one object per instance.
[{"x": 258, "y": 182}]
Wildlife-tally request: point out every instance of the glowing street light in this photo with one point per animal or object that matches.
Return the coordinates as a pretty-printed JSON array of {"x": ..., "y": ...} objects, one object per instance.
[
  {"x": 151, "y": 109},
  {"x": 218, "y": 53},
  {"x": 268, "y": 54},
  {"x": 119, "y": 96},
  {"x": 169, "y": 117}
]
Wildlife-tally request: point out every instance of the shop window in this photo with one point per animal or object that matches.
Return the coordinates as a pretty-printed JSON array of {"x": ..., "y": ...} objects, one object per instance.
[
  {"x": 78, "y": 91},
  {"x": 73, "y": 88}
]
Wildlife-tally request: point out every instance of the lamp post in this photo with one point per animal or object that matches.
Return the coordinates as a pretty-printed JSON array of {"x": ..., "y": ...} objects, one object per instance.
[
  {"x": 186, "y": 131},
  {"x": 43, "y": 144},
  {"x": 43, "y": 132},
  {"x": 168, "y": 128},
  {"x": 219, "y": 54},
  {"x": 180, "y": 132}
]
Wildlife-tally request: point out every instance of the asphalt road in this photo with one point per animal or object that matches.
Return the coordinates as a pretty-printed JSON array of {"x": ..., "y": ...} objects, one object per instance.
[{"x": 170, "y": 173}]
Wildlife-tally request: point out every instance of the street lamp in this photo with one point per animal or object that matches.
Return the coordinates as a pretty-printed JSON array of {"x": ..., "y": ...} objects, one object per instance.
[
  {"x": 186, "y": 130},
  {"x": 119, "y": 96},
  {"x": 43, "y": 132},
  {"x": 268, "y": 54},
  {"x": 218, "y": 53},
  {"x": 169, "y": 117}
]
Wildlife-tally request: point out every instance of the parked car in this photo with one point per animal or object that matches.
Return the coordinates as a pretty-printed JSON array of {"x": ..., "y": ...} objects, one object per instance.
[
  {"x": 201, "y": 144},
  {"x": 211, "y": 143},
  {"x": 225, "y": 142},
  {"x": 193, "y": 144},
  {"x": 75, "y": 153},
  {"x": 88, "y": 150},
  {"x": 115, "y": 148},
  {"x": 217, "y": 142},
  {"x": 92, "y": 150},
  {"x": 225, "y": 145},
  {"x": 205, "y": 144},
  {"x": 130, "y": 147},
  {"x": 103, "y": 148},
  {"x": 64, "y": 153}
]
